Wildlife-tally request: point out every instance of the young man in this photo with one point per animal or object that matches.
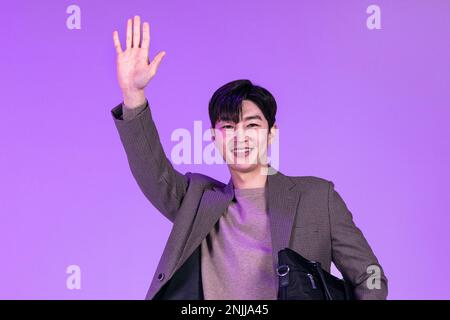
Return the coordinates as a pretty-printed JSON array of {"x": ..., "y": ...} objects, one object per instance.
[{"x": 225, "y": 237}]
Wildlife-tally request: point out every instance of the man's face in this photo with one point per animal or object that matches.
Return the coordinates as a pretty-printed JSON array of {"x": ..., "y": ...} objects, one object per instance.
[{"x": 243, "y": 145}]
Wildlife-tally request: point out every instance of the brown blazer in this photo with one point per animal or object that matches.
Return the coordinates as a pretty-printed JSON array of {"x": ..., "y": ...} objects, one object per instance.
[{"x": 306, "y": 213}]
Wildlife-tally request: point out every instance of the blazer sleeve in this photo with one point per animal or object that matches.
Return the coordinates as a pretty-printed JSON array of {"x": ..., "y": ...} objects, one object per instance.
[
  {"x": 351, "y": 252},
  {"x": 162, "y": 185}
]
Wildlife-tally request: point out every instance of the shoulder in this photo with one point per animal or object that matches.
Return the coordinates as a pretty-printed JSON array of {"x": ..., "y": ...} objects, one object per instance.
[{"x": 312, "y": 183}]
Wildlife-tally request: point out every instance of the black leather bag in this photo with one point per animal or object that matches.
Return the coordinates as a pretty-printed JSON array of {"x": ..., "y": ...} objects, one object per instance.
[{"x": 302, "y": 279}]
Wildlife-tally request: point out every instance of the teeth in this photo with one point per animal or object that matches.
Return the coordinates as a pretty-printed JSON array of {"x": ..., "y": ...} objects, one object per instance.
[{"x": 242, "y": 149}]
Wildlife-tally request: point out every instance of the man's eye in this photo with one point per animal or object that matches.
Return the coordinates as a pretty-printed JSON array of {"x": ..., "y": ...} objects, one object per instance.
[
  {"x": 253, "y": 124},
  {"x": 227, "y": 127}
]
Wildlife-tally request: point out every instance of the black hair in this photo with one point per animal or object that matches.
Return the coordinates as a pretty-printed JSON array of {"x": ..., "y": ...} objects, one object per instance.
[{"x": 226, "y": 103}]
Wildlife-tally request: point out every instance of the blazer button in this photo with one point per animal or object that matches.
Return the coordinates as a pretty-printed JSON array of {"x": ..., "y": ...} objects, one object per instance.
[{"x": 161, "y": 276}]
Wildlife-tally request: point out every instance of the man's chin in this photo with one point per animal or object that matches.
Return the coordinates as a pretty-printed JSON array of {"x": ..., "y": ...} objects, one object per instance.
[{"x": 243, "y": 167}]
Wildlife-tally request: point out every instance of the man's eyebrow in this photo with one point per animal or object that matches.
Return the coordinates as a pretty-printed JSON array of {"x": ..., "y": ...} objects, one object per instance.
[
  {"x": 252, "y": 117},
  {"x": 258, "y": 117}
]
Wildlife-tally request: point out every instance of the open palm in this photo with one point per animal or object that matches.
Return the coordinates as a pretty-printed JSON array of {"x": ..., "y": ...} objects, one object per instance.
[{"x": 134, "y": 70}]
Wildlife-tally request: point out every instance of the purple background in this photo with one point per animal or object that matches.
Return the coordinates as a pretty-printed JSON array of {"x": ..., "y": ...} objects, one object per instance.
[{"x": 367, "y": 109}]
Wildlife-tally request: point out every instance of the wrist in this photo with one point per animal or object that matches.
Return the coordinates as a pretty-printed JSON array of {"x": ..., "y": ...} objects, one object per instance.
[{"x": 133, "y": 98}]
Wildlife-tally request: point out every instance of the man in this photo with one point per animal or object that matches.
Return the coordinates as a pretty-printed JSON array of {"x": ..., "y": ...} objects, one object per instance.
[{"x": 225, "y": 237}]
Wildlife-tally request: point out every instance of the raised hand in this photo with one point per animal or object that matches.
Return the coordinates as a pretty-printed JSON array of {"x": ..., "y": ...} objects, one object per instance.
[{"x": 134, "y": 70}]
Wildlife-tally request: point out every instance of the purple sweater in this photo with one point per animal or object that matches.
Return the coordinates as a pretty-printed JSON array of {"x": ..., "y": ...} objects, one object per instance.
[{"x": 237, "y": 254}]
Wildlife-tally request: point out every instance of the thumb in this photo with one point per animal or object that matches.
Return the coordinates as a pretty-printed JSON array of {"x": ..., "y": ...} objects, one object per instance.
[{"x": 153, "y": 66}]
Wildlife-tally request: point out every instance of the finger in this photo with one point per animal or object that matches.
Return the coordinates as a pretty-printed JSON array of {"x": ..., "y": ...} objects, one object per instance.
[
  {"x": 145, "y": 36},
  {"x": 136, "y": 31},
  {"x": 156, "y": 61},
  {"x": 129, "y": 39},
  {"x": 117, "y": 42}
]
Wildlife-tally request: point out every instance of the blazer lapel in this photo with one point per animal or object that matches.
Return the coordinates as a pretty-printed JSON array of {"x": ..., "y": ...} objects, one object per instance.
[
  {"x": 213, "y": 204},
  {"x": 282, "y": 204},
  {"x": 282, "y": 200}
]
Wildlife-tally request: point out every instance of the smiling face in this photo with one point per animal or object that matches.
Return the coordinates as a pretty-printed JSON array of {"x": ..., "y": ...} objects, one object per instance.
[{"x": 244, "y": 145}]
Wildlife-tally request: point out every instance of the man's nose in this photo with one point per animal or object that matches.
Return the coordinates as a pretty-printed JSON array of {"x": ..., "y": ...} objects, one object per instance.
[{"x": 240, "y": 135}]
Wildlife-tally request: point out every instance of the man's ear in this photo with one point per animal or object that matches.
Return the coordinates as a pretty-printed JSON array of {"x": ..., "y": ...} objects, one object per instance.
[
  {"x": 272, "y": 132},
  {"x": 213, "y": 137}
]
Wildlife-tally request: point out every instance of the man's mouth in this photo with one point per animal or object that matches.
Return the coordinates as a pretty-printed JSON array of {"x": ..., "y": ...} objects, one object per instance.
[{"x": 242, "y": 151}]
